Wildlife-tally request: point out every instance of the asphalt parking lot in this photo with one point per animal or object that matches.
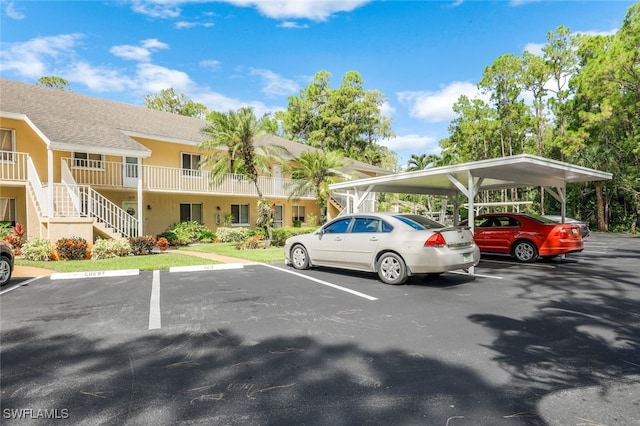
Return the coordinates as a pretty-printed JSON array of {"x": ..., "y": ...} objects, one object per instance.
[{"x": 551, "y": 343}]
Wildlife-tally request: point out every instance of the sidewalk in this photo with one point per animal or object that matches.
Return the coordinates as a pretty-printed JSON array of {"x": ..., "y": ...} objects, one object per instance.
[{"x": 31, "y": 272}]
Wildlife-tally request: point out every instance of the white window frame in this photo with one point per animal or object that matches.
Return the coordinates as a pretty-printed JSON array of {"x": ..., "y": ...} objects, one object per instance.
[
  {"x": 191, "y": 212},
  {"x": 237, "y": 221},
  {"x": 190, "y": 171},
  {"x": 87, "y": 163},
  {"x": 295, "y": 214},
  {"x": 7, "y": 155},
  {"x": 8, "y": 204}
]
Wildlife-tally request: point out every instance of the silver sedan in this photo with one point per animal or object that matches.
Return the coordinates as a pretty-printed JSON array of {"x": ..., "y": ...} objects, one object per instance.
[{"x": 395, "y": 246}]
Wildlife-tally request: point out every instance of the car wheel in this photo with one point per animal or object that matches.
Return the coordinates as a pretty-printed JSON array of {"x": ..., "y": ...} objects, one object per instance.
[
  {"x": 391, "y": 269},
  {"x": 299, "y": 257},
  {"x": 5, "y": 271},
  {"x": 525, "y": 251}
]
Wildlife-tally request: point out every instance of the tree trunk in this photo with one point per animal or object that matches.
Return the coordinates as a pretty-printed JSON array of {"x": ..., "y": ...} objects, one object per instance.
[{"x": 602, "y": 222}]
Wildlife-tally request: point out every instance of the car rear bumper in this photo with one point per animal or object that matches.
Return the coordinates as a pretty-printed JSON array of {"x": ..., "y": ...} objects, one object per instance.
[
  {"x": 436, "y": 260},
  {"x": 563, "y": 246}
]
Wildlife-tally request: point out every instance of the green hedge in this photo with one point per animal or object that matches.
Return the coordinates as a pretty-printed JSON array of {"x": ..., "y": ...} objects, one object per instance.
[{"x": 280, "y": 235}]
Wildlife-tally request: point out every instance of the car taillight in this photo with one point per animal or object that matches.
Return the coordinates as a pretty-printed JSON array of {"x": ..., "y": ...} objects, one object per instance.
[{"x": 436, "y": 240}]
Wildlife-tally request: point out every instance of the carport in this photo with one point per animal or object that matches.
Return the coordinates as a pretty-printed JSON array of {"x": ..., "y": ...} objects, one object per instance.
[{"x": 518, "y": 171}]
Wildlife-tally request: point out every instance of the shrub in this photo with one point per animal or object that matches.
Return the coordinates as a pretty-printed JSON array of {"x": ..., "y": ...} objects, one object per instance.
[
  {"x": 232, "y": 235},
  {"x": 172, "y": 238},
  {"x": 38, "y": 249},
  {"x": 16, "y": 238},
  {"x": 280, "y": 235},
  {"x": 184, "y": 233},
  {"x": 74, "y": 248},
  {"x": 251, "y": 243},
  {"x": 105, "y": 249},
  {"x": 206, "y": 236},
  {"x": 142, "y": 245},
  {"x": 162, "y": 243}
]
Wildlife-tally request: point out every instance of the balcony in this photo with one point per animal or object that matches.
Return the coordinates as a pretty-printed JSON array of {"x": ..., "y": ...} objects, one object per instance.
[
  {"x": 13, "y": 166},
  {"x": 111, "y": 174}
]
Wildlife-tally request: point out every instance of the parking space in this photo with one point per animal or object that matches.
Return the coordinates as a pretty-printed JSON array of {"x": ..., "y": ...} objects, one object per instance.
[{"x": 264, "y": 344}]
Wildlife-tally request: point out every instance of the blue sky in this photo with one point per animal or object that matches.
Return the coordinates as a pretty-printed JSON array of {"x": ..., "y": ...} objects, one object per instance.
[{"x": 422, "y": 55}]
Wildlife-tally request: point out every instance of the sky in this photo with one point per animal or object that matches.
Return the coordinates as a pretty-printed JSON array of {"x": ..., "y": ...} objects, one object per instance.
[{"x": 421, "y": 55}]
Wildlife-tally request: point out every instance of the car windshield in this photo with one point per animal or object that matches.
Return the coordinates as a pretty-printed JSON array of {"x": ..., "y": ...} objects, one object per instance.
[
  {"x": 422, "y": 220},
  {"x": 415, "y": 225}
]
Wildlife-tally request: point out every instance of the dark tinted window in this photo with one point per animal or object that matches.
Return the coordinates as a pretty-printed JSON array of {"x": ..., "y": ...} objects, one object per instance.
[
  {"x": 411, "y": 223},
  {"x": 338, "y": 227},
  {"x": 366, "y": 224},
  {"x": 424, "y": 221}
]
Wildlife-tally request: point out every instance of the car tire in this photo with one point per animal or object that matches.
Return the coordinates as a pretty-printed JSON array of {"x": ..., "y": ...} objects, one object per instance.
[
  {"x": 392, "y": 269},
  {"x": 5, "y": 270},
  {"x": 299, "y": 257},
  {"x": 525, "y": 251}
]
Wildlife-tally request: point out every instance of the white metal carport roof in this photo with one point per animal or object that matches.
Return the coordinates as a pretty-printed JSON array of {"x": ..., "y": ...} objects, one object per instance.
[{"x": 469, "y": 178}]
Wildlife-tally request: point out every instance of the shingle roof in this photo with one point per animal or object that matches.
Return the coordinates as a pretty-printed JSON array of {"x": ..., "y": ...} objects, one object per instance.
[{"x": 74, "y": 121}]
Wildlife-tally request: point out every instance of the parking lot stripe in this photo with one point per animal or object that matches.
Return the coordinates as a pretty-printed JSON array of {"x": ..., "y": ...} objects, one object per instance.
[
  {"x": 154, "y": 306},
  {"x": 348, "y": 290},
  {"x": 476, "y": 275}
]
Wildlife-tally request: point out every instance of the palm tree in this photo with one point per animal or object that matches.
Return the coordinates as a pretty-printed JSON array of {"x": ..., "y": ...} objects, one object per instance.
[
  {"x": 421, "y": 162},
  {"x": 231, "y": 140},
  {"x": 315, "y": 170}
]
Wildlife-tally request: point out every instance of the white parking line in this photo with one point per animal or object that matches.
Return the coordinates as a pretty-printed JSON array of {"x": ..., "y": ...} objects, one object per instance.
[
  {"x": 347, "y": 290},
  {"x": 13, "y": 287},
  {"x": 154, "y": 305},
  {"x": 475, "y": 275},
  {"x": 533, "y": 265},
  {"x": 94, "y": 274}
]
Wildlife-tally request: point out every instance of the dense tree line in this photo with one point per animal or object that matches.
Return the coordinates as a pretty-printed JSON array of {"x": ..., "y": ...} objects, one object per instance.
[{"x": 578, "y": 102}]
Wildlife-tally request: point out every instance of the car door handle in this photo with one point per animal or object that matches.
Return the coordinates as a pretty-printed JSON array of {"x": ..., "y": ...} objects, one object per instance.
[
  {"x": 374, "y": 239},
  {"x": 337, "y": 239}
]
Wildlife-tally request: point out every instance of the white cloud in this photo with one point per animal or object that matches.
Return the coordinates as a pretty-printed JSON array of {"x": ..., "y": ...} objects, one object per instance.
[
  {"x": 412, "y": 142},
  {"x": 38, "y": 56},
  {"x": 154, "y": 78},
  {"x": 275, "y": 84},
  {"x": 291, "y": 24},
  {"x": 98, "y": 79},
  {"x": 163, "y": 9},
  {"x": 535, "y": 48},
  {"x": 437, "y": 106},
  {"x": 11, "y": 11},
  {"x": 138, "y": 53},
  {"x": 190, "y": 24},
  {"x": 387, "y": 110},
  {"x": 211, "y": 64}
]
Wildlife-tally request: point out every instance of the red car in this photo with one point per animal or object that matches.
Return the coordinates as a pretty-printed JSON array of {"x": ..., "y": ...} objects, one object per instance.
[{"x": 525, "y": 237}]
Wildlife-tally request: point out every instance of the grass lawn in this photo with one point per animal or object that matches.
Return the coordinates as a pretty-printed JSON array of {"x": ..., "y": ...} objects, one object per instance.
[
  {"x": 270, "y": 255},
  {"x": 150, "y": 262}
]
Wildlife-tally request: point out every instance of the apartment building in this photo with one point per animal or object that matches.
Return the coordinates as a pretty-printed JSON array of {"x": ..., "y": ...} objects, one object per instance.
[{"x": 74, "y": 165}]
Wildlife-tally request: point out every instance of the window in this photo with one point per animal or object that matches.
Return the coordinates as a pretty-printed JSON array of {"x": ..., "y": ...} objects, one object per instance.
[
  {"x": 298, "y": 214},
  {"x": 190, "y": 164},
  {"x": 240, "y": 214},
  {"x": 338, "y": 227},
  {"x": 8, "y": 211},
  {"x": 366, "y": 225},
  {"x": 6, "y": 146},
  {"x": 87, "y": 160},
  {"x": 190, "y": 212}
]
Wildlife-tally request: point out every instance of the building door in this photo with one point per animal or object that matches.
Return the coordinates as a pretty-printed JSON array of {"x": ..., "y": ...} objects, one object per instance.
[
  {"x": 131, "y": 207},
  {"x": 278, "y": 182},
  {"x": 278, "y": 216},
  {"x": 130, "y": 171}
]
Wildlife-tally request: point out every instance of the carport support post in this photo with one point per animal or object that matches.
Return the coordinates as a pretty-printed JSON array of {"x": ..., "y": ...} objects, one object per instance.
[{"x": 470, "y": 191}]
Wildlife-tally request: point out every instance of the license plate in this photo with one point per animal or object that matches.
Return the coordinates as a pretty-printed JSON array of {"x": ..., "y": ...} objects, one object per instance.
[{"x": 466, "y": 257}]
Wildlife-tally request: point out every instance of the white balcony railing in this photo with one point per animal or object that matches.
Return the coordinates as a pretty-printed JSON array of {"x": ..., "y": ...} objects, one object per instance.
[
  {"x": 13, "y": 165},
  {"x": 172, "y": 179}
]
